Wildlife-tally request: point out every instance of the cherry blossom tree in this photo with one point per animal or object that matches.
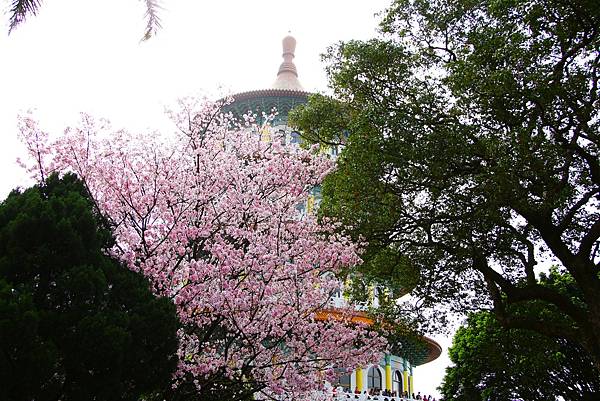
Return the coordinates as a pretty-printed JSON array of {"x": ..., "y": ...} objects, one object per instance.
[{"x": 210, "y": 215}]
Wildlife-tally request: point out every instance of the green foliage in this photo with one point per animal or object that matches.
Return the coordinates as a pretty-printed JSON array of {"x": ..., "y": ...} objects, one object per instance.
[
  {"x": 495, "y": 363},
  {"x": 402, "y": 337},
  {"x": 361, "y": 201},
  {"x": 473, "y": 154},
  {"x": 492, "y": 363},
  {"x": 217, "y": 388},
  {"x": 74, "y": 324}
]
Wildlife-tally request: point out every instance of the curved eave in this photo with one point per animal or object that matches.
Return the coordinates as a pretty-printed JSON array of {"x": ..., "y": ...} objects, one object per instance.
[
  {"x": 272, "y": 92},
  {"x": 265, "y": 101},
  {"x": 434, "y": 350},
  {"x": 336, "y": 314}
]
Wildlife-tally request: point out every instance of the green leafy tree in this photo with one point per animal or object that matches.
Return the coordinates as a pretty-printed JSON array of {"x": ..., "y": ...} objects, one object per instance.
[
  {"x": 473, "y": 154},
  {"x": 74, "y": 323},
  {"x": 217, "y": 388},
  {"x": 494, "y": 363}
]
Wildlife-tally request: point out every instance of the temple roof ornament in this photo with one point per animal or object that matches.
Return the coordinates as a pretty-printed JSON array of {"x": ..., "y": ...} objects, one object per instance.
[{"x": 287, "y": 77}]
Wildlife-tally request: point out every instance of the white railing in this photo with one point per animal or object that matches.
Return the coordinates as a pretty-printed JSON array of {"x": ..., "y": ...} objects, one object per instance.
[{"x": 365, "y": 397}]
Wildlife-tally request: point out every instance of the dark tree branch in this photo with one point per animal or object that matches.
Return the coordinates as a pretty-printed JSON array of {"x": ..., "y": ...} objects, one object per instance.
[
  {"x": 587, "y": 242},
  {"x": 19, "y": 11}
]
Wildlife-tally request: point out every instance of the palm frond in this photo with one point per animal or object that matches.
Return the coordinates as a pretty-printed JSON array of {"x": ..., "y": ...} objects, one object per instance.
[
  {"x": 19, "y": 11},
  {"x": 152, "y": 18}
]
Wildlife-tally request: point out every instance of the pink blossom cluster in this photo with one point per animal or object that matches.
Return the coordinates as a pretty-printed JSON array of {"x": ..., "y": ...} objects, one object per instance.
[{"x": 210, "y": 216}]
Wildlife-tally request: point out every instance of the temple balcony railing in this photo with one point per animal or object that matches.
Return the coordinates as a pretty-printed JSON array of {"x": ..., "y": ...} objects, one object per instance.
[{"x": 366, "y": 397}]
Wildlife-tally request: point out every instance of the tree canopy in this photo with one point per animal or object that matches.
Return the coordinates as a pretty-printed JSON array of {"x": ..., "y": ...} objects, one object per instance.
[
  {"x": 471, "y": 134},
  {"x": 210, "y": 215},
  {"x": 494, "y": 363},
  {"x": 74, "y": 323}
]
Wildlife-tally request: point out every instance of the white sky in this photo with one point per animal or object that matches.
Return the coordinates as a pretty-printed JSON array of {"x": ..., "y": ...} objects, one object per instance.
[{"x": 86, "y": 55}]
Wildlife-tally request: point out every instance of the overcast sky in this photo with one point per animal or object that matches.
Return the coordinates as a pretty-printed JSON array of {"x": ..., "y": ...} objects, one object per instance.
[{"x": 86, "y": 55}]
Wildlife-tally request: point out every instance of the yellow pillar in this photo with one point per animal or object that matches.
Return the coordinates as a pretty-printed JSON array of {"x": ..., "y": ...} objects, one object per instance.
[
  {"x": 410, "y": 380},
  {"x": 405, "y": 377},
  {"x": 265, "y": 135},
  {"x": 310, "y": 204},
  {"x": 388, "y": 376},
  {"x": 359, "y": 379}
]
